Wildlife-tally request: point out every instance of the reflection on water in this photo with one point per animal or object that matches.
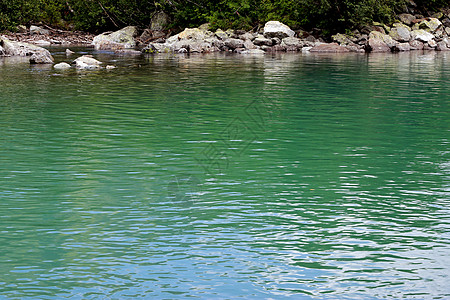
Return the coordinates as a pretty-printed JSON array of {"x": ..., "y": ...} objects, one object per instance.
[{"x": 223, "y": 176}]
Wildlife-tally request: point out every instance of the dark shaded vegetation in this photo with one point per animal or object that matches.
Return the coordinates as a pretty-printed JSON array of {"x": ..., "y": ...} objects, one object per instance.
[{"x": 99, "y": 15}]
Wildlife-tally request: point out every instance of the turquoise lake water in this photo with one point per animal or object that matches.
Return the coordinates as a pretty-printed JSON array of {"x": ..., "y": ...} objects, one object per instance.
[{"x": 226, "y": 176}]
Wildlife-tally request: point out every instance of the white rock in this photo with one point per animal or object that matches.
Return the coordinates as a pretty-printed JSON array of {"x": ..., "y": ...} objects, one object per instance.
[
  {"x": 121, "y": 39},
  {"x": 62, "y": 66},
  {"x": 277, "y": 29},
  {"x": 109, "y": 67},
  {"x": 38, "y": 30},
  {"x": 86, "y": 62},
  {"x": 421, "y": 35}
]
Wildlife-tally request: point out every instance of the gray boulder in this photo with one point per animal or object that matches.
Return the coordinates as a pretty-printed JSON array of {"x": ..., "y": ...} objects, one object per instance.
[
  {"x": 221, "y": 34},
  {"x": 261, "y": 40},
  {"x": 342, "y": 39},
  {"x": 192, "y": 40},
  {"x": 41, "y": 58},
  {"x": 120, "y": 39},
  {"x": 276, "y": 41},
  {"x": 86, "y": 62},
  {"x": 442, "y": 46},
  {"x": 159, "y": 21},
  {"x": 430, "y": 25},
  {"x": 416, "y": 45},
  {"x": 355, "y": 48},
  {"x": 234, "y": 43},
  {"x": 153, "y": 48},
  {"x": 380, "y": 42},
  {"x": 406, "y": 18},
  {"x": 193, "y": 34},
  {"x": 432, "y": 44},
  {"x": 247, "y": 36},
  {"x": 421, "y": 35},
  {"x": 38, "y": 30},
  {"x": 292, "y": 41},
  {"x": 329, "y": 48},
  {"x": 403, "y": 47},
  {"x": 249, "y": 45},
  {"x": 232, "y": 33},
  {"x": 277, "y": 29},
  {"x": 400, "y": 32},
  {"x": 22, "y": 29}
]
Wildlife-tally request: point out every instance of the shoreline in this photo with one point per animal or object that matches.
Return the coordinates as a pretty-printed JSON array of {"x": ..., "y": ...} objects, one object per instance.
[
  {"x": 48, "y": 36},
  {"x": 408, "y": 34}
]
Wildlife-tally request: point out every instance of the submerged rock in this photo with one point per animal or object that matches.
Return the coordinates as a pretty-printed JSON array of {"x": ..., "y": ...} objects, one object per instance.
[
  {"x": 62, "y": 66},
  {"x": 127, "y": 52},
  {"x": 253, "y": 51},
  {"x": 86, "y": 62},
  {"x": 121, "y": 39},
  {"x": 41, "y": 58}
]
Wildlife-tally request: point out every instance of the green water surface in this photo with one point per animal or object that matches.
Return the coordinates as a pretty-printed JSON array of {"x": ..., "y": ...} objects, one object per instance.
[{"x": 226, "y": 176}]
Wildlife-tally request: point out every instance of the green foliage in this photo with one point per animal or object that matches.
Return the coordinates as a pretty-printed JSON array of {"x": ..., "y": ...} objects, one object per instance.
[{"x": 99, "y": 15}]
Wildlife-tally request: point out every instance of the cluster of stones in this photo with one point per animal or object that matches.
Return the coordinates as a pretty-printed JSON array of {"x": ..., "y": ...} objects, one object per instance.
[
  {"x": 36, "y": 54},
  {"x": 39, "y": 55},
  {"x": 409, "y": 33},
  {"x": 40, "y": 36},
  {"x": 85, "y": 62},
  {"x": 275, "y": 36}
]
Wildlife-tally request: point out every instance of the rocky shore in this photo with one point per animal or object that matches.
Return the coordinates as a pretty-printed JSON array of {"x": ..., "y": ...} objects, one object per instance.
[{"x": 409, "y": 32}]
